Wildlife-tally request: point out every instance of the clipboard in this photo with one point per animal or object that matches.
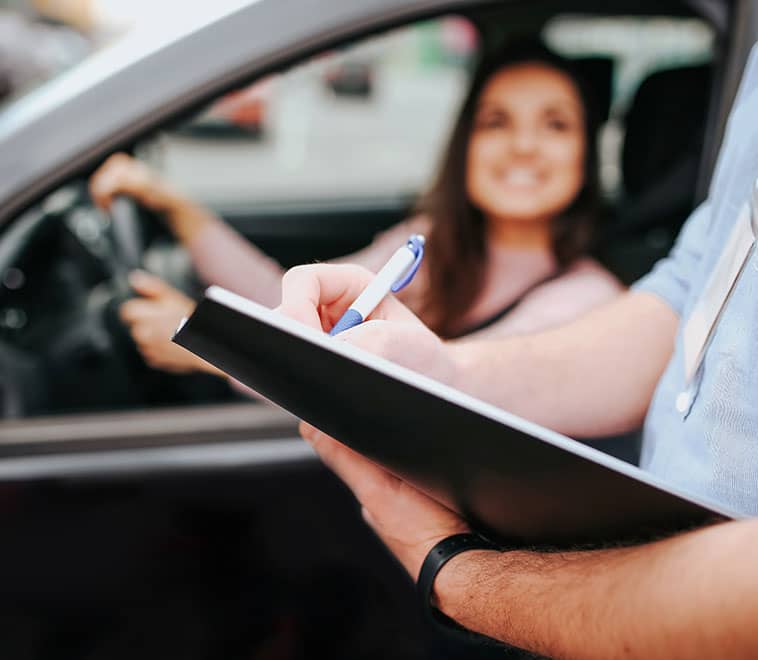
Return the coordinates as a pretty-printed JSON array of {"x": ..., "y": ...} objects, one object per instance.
[{"x": 510, "y": 478}]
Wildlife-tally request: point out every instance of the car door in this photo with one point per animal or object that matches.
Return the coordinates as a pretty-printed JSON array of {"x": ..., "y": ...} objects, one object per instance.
[
  {"x": 309, "y": 160},
  {"x": 172, "y": 510}
]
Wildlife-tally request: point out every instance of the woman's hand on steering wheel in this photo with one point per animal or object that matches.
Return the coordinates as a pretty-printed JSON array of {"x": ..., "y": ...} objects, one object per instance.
[
  {"x": 152, "y": 320},
  {"x": 122, "y": 175}
]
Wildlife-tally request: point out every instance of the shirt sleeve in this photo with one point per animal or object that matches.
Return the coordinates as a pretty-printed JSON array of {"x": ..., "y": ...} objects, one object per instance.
[{"x": 671, "y": 277}]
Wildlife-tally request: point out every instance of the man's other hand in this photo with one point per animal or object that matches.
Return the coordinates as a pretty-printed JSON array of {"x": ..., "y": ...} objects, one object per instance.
[{"x": 409, "y": 522}]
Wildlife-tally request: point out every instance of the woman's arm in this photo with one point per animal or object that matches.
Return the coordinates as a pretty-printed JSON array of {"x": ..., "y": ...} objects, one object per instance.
[
  {"x": 220, "y": 254},
  {"x": 223, "y": 256}
]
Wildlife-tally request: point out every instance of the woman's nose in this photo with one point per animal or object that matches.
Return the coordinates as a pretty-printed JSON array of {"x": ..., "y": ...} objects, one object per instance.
[{"x": 524, "y": 140}]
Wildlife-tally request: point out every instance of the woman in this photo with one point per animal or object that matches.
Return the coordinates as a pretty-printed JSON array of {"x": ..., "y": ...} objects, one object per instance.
[{"x": 509, "y": 221}]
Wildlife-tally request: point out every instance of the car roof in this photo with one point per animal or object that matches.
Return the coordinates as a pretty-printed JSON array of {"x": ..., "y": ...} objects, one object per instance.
[{"x": 117, "y": 95}]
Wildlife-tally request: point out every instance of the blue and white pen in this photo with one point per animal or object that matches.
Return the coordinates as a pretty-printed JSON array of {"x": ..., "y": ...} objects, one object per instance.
[{"x": 394, "y": 275}]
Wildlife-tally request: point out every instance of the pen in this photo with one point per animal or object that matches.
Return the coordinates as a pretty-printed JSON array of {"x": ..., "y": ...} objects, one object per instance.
[{"x": 394, "y": 275}]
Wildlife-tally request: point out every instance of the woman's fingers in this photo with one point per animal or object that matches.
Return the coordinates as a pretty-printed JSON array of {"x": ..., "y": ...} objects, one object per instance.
[
  {"x": 123, "y": 175},
  {"x": 110, "y": 179},
  {"x": 152, "y": 286}
]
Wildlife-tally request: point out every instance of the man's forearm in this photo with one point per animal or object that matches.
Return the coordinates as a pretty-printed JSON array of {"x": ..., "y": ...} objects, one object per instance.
[
  {"x": 595, "y": 376},
  {"x": 690, "y": 596}
]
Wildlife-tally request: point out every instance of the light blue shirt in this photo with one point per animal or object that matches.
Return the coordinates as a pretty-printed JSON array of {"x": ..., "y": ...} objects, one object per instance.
[{"x": 712, "y": 450}]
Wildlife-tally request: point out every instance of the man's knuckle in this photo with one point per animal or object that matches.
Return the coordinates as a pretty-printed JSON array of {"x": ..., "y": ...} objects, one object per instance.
[{"x": 298, "y": 271}]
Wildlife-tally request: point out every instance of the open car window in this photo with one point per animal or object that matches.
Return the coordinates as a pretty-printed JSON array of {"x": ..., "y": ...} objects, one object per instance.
[
  {"x": 310, "y": 163},
  {"x": 364, "y": 122}
]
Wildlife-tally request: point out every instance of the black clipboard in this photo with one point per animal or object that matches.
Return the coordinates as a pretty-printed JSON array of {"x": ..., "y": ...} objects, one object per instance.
[{"x": 508, "y": 477}]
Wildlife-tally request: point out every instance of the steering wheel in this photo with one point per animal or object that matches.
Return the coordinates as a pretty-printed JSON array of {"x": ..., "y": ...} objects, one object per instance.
[
  {"x": 83, "y": 335},
  {"x": 76, "y": 354},
  {"x": 126, "y": 241}
]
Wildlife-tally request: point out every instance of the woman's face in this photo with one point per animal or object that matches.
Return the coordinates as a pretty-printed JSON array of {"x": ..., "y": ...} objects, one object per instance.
[{"x": 526, "y": 152}]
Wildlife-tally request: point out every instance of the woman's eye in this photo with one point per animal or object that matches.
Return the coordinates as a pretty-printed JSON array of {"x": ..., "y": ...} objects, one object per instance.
[
  {"x": 559, "y": 125},
  {"x": 489, "y": 122}
]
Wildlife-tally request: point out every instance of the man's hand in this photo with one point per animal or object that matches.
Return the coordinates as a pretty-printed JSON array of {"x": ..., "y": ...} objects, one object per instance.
[
  {"x": 318, "y": 295},
  {"x": 409, "y": 522},
  {"x": 152, "y": 321}
]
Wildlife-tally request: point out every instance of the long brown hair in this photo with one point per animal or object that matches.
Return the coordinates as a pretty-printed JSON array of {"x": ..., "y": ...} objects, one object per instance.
[{"x": 456, "y": 246}]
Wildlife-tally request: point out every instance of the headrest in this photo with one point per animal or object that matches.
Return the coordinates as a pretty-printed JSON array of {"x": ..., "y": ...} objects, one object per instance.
[
  {"x": 664, "y": 125},
  {"x": 597, "y": 73}
]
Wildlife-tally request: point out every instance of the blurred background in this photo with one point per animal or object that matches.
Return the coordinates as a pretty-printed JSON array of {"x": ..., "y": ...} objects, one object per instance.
[{"x": 296, "y": 135}]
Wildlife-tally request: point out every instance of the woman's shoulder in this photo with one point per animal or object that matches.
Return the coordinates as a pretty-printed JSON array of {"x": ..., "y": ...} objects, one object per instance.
[
  {"x": 590, "y": 276},
  {"x": 583, "y": 285}
]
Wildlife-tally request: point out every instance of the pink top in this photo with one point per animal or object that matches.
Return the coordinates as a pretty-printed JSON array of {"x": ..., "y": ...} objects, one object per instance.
[{"x": 223, "y": 257}]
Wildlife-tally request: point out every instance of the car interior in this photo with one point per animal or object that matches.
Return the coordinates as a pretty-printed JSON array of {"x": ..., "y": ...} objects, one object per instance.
[
  {"x": 275, "y": 562},
  {"x": 298, "y": 211}
]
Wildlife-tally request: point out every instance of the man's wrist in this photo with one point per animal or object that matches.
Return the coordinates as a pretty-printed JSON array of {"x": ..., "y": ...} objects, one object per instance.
[
  {"x": 437, "y": 558},
  {"x": 457, "y": 581}
]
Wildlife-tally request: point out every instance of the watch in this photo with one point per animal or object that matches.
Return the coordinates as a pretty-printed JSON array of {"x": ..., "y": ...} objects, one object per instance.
[{"x": 437, "y": 557}]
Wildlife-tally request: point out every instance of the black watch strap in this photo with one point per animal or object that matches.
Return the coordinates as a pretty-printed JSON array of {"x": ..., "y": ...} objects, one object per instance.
[{"x": 440, "y": 554}]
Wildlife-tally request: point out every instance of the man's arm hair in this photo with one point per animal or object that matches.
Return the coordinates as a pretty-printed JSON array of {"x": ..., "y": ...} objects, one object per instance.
[
  {"x": 594, "y": 376},
  {"x": 690, "y": 596}
]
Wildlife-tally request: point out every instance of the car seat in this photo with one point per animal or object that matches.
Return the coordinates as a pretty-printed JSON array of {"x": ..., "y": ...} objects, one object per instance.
[
  {"x": 665, "y": 127},
  {"x": 597, "y": 72}
]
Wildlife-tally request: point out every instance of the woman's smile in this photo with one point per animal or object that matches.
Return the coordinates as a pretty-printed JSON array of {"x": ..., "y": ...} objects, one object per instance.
[{"x": 521, "y": 178}]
